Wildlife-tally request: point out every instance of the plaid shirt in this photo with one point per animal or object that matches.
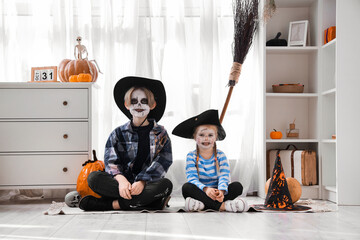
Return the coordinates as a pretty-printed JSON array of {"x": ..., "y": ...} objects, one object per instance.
[{"x": 122, "y": 147}]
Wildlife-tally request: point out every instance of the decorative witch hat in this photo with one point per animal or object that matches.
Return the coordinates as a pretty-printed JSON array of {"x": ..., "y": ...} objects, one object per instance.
[{"x": 278, "y": 197}]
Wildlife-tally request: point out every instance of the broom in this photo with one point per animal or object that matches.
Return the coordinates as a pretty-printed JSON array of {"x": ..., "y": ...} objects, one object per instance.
[{"x": 245, "y": 26}]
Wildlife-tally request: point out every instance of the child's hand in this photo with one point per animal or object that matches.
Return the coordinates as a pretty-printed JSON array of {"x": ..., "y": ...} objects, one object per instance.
[
  {"x": 211, "y": 192},
  {"x": 124, "y": 186},
  {"x": 220, "y": 195},
  {"x": 137, "y": 187}
]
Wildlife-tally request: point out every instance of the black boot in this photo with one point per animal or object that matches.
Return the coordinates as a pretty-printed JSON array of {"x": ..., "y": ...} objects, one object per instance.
[
  {"x": 159, "y": 204},
  {"x": 91, "y": 203}
]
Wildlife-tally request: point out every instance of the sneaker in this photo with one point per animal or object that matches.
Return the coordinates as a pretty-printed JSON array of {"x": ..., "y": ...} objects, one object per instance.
[
  {"x": 192, "y": 205},
  {"x": 237, "y": 205},
  {"x": 91, "y": 203}
]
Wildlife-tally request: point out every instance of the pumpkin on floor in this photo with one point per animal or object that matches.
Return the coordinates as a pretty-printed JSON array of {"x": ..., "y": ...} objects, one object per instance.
[
  {"x": 89, "y": 166},
  {"x": 294, "y": 188}
]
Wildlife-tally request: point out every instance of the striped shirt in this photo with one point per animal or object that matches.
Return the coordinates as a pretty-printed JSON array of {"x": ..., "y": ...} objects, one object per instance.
[{"x": 208, "y": 175}]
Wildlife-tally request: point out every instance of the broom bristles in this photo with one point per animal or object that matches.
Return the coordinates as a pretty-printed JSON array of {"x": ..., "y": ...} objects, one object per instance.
[{"x": 245, "y": 26}]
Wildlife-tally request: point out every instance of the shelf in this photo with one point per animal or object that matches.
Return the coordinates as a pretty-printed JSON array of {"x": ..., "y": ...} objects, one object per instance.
[
  {"x": 330, "y": 193},
  {"x": 329, "y": 92},
  {"x": 310, "y": 192},
  {"x": 329, "y": 44},
  {"x": 330, "y": 188},
  {"x": 294, "y": 4},
  {"x": 314, "y": 67},
  {"x": 292, "y": 50},
  {"x": 295, "y": 95},
  {"x": 291, "y": 140}
]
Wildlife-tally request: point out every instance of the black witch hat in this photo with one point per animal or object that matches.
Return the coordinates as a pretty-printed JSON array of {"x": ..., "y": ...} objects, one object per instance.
[
  {"x": 155, "y": 86},
  {"x": 187, "y": 128},
  {"x": 278, "y": 197}
]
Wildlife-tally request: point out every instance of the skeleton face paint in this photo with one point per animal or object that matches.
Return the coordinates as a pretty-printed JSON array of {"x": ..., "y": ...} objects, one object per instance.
[
  {"x": 205, "y": 137},
  {"x": 139, "y": 106}
]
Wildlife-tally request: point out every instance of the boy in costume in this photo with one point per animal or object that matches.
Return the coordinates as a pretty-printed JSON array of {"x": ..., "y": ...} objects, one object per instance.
[
  {"x": 207, "y": 168},
  {"x": 137, "y": 154}
]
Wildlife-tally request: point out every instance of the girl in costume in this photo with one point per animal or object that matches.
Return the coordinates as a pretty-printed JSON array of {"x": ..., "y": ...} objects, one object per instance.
[
  {"x": 207, "y": 168},
  {"x": 137, "y": 154}
]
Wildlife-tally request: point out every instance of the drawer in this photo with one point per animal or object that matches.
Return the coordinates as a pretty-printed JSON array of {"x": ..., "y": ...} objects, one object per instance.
[
  {"x": 40, "y": 169},
  {"x": 43, "y": 103},
  {"x": 44, "y": 136}
]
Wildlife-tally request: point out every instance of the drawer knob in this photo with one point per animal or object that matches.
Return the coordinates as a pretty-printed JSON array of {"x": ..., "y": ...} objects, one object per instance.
[
  {"x": 65, "y": 136},
  {"x": 65, "y": 103},
  {"x": 65, "y": 169}
]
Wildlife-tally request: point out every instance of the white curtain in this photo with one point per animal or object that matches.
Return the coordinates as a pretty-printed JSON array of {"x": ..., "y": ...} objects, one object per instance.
[{"x": 185, "y": 44}]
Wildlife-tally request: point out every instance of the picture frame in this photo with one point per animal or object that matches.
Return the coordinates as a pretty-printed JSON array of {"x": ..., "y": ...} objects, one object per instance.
[
  {"x": 298, "y": 33},
  {"x": 44, "y": 74}
]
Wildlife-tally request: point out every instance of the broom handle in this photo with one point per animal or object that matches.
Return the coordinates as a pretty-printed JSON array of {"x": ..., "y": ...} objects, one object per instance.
[{"x": 226, "y": 104}]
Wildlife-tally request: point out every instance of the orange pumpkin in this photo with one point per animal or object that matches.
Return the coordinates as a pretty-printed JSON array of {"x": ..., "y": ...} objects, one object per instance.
[
  {"x": 69, "y": 67},
  {"x": 293, "y": 186},
  {"x": 84, "y": 77},
  {"x": 276, "y": 134},
  {"x": 73, "y": 78},
  {"x": 82, "y": 186},
  {"x": 80, "y": 65}
]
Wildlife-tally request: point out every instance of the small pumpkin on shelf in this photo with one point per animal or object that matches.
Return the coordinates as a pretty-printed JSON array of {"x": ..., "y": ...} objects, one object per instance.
[
  {"x": 84, "y": 77},
  {"x": 275, "y": 134},
  {"x": 73, "y": 78}
]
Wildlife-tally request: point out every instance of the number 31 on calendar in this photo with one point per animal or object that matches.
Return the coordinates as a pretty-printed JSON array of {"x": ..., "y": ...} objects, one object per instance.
[{"x": 44, "y": 74}]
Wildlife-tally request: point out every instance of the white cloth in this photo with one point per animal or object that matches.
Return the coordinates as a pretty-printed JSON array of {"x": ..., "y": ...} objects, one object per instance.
[{"x": 185, "y": 44}]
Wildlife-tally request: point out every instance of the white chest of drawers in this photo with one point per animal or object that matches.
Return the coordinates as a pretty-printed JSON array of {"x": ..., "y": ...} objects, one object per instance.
[{"x": 45, "y": 133}]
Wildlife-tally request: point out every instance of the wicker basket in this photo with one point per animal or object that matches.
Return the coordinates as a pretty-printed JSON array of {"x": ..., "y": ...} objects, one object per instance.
[{"x": 288, "y": 88}]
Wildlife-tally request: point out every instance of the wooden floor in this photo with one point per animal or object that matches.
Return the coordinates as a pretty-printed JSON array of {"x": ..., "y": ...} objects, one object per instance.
[{"x": 26, "y": 221}]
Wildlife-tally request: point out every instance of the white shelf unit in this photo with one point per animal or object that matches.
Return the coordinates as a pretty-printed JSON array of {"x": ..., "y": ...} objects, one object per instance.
[
  {"x": 328, "y": 104},
  {"x": 293, "y": 65}
]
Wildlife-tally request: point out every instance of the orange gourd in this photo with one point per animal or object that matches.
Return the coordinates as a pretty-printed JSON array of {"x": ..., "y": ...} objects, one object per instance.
[
  {"x": 81, "y": 64},
  {"x": 84, "y": 77},
  {"x": 73, "y": 78},
  {"x": 82, "y": 186},
  {"x": 276, "y": 134}
]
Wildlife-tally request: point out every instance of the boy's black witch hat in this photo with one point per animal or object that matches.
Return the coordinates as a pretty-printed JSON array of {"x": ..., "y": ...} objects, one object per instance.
[
  {"x": 278, "y": 197},
  {"x": 155, "y": 86}
]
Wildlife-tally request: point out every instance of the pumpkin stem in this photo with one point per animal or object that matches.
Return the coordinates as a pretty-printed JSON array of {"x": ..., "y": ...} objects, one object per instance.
[
  {"x": 275, "y": 130},
  {"x": 94, "y": 153}
]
